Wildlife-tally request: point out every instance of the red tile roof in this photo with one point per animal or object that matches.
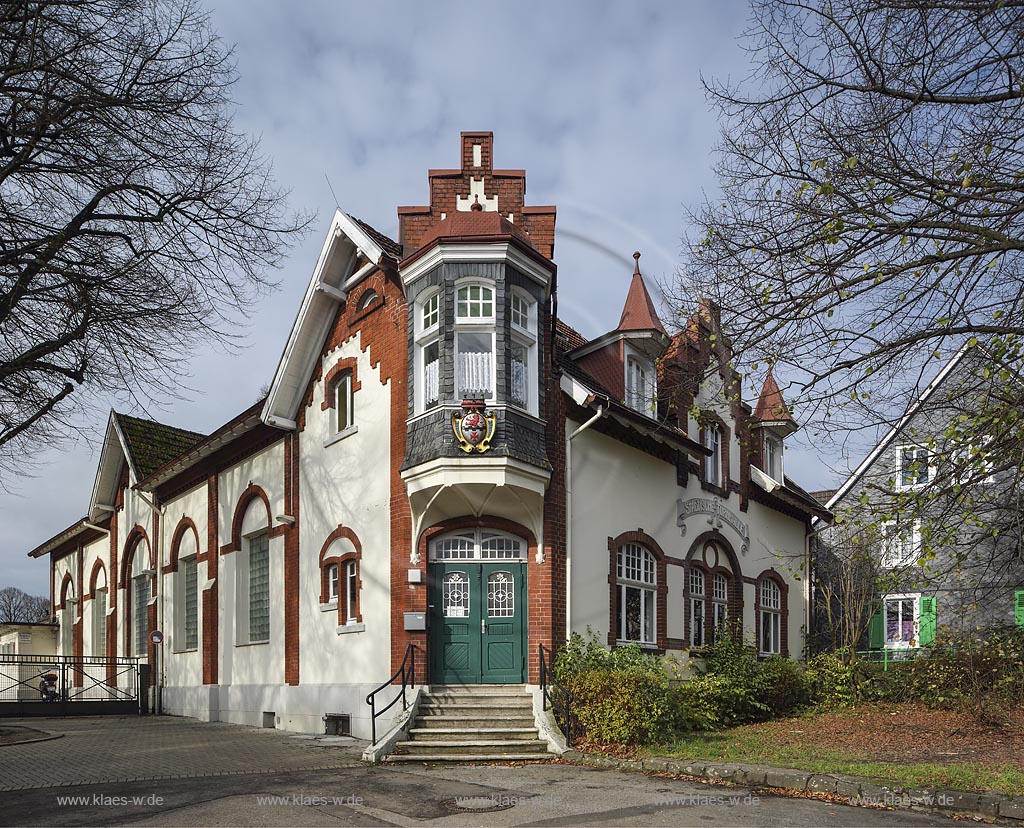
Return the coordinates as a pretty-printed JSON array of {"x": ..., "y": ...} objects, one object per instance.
[{"x": 463, "y": 224}]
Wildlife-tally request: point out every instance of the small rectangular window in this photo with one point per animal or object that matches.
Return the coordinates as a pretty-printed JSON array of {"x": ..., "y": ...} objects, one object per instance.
[
  {"x": 520, "y": 375},
  {"x": 431, "y": 374},
  {"x": 773, "y": 457},
  {"x": 351, "y": 593}
]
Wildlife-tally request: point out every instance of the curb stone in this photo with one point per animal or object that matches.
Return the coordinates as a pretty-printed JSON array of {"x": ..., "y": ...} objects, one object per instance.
[{"x": 859, "y": 789}]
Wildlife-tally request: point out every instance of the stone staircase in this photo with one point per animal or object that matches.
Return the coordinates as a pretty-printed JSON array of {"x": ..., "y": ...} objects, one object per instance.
[{"x": 473, "y": 723}]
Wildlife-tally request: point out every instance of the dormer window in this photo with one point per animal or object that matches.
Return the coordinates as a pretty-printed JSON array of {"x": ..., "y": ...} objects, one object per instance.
[
  {"x": 640, "y": 385},
  {"x": 474, "y": 342},
  {"x": 428, "y": 353},
  {"x": 773, "y": 457},
  {"x": 523, "y": 352}
]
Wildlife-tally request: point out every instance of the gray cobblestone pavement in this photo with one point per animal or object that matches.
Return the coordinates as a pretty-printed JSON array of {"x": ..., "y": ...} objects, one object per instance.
[{"x": 135, "y": 748}]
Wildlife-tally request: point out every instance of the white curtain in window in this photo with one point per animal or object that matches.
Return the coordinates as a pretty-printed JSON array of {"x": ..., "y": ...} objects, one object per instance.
[
  {"x": 519, "y": 375},
  {"x": 431, "y": 388},
  {"x": 475, "y": 372}
]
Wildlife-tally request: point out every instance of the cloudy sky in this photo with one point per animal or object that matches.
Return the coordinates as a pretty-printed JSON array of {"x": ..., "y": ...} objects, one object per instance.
[{"x": 601, "y": 103}]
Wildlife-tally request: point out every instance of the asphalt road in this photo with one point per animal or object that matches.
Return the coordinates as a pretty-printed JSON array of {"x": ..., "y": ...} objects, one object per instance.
[{"x": 191, "y": 774}]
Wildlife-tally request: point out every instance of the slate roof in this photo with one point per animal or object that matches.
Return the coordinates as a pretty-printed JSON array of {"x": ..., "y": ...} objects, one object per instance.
[
  {"x": 387, "y": 244},
  {"x": 569, "y": 339},
  {"x": 153, "y": 444}
]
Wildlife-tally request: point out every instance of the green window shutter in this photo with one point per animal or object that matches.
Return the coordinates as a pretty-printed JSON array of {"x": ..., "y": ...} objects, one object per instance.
[
  {"x": 926, "y": 625},
  {"x": 1018, "y": 607},
  {"x": 876, "y": 626}
]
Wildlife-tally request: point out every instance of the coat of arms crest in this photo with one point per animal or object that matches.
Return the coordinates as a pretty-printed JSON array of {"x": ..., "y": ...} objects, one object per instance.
[{"x": 474, "y": 427}]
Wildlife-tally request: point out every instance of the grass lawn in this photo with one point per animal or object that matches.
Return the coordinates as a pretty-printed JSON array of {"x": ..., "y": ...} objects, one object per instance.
[{"x": 905, "y": 745}]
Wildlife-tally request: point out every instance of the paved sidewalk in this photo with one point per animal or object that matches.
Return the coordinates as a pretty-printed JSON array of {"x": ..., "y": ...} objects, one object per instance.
[{"x": 138, "y": 748}]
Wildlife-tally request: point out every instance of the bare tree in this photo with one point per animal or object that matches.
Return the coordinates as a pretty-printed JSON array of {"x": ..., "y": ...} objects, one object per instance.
[
  {"x": 19, "y": 607},
  {"x": 872, "y": 223},
  {"x": 135, "y": 220}
]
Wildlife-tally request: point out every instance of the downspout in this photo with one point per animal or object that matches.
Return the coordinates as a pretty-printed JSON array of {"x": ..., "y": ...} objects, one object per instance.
[{"x": 568, "y": 515}]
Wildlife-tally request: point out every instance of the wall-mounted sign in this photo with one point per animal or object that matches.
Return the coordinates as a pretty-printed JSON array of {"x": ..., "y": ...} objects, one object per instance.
[{"x": 717, "y": 514}]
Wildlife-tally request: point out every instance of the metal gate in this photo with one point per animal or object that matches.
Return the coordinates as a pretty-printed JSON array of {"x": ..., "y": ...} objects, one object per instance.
[{"x": 71, "y": 686}]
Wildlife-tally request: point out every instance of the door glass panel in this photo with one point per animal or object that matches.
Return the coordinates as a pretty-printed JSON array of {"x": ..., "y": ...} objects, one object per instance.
[
  {"x": 455, "y": 595},
  {"x": 501, "y": 595}
]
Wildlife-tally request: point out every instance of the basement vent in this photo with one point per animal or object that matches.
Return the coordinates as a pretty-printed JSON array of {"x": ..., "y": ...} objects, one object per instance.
[
  {"x": 338, "y": 724},
  {"x": 269, "y": 719}
]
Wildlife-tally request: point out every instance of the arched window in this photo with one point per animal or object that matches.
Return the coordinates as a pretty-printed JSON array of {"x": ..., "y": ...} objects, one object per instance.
[
  {"x": 341, "y": 395},
  {"x": 98, "y": 609},
  {"x": 697, "y": 605},
  {"x": 636, "y": 577},
  {"x": 770, "y": 617},
  {"x": 474, "y": 342},
  {"x": 368, "y": 297}
]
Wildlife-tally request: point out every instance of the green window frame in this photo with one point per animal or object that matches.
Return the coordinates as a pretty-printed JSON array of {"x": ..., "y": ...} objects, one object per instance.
[{"x": 1018, "y": 607}]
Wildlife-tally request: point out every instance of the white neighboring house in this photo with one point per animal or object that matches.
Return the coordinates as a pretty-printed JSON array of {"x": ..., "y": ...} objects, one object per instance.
[{"x": 441, "y": 464}]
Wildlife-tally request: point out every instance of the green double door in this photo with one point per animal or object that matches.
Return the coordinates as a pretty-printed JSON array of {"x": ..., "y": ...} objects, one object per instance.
[{"x": 477, "y": 622}]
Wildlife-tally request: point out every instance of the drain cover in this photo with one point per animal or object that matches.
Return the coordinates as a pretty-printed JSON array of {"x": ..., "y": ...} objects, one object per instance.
[{"x": 479, "y": 804}]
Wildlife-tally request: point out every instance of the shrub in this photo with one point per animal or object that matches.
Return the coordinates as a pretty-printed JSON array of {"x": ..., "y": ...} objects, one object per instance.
[
  {"x": 622, "y": 707},
  {"x": 780, "y": 686},
  {"x": 832, "y": 679},
  {"x": 581, "y": 654}
]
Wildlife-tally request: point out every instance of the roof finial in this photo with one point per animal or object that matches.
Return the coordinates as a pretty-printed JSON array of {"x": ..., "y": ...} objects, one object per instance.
[
  {"x": 476, "y": 205},
  {"x": 636, "y": 267}
]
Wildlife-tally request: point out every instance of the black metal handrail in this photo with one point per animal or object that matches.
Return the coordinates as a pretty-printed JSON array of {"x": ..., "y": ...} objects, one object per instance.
[
  {"x": 560, "y": 701},
  {"x": 407, "y": 672}
]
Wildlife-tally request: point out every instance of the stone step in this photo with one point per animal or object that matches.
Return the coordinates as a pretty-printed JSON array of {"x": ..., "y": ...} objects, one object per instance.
[
  {"x": 473, "y": 747},
  {"x": 481, "y": 698},
  {"x": 479, "y": 689},
  {"x": 425, "y": 758},
  {"x": 441, "y": 734},
  {"x": 468, "y": 720},
  {"x": 482, "y": 711}
]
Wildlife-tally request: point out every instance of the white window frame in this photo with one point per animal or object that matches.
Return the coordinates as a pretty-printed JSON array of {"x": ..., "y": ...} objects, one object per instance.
[
  {"x": 894, "y": 537},
  {"x": 899, "y": 643},
  {"x": 341, "y": 391},
  {"x": 525, "y": 337},
  {"x": 713, "y": 462},
  {"x": 351, "y": 581},
  {"x": 475, "y": 325},
  {"x": 773, "y": 464},
  {"x": 697, "y": 583},
  {"x": 648, "y": 589},
  {"x": 963, "y": 457},
  {"x": 471, "y": 543},
  {"x": 333, "y": 581},
  {"x": 929, "y": 468},
  {"x": 427, "y": 329},
  {"x": 719, "y": 604},
  {"x": 771, "y": 618},
  {"x": 641, "y": 391}
]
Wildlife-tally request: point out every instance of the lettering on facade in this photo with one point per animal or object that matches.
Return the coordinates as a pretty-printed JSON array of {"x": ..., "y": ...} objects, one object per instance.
[{"x": 717, "y": 514}]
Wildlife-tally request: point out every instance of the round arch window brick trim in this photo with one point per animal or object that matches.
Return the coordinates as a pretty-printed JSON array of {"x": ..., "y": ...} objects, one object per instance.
[
  {"x": 184, "y": 525},
  {"x": 349, "y": 364},
  {"x": 97, "y": 567},
  {"x": 640, "y": 537},
  {"x": 136, "y": 536},
  {"x": 252, "y": 491},
  {"x": 733, "y": 573},
  {"x": 324, "y": 560}
]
